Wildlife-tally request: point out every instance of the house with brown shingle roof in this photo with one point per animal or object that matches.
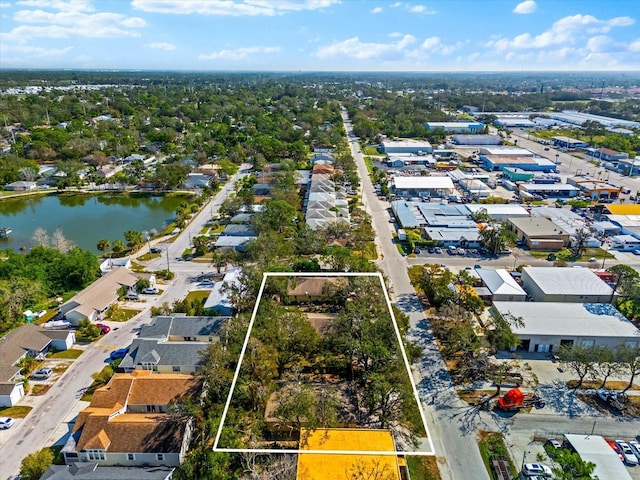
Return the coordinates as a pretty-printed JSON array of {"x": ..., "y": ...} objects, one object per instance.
[
  {"x": 28, "y": 340},
  {"x": 313, "y": 289},
  {"x": 129, "y": 422},
  {"x": 93, "y": 301}
]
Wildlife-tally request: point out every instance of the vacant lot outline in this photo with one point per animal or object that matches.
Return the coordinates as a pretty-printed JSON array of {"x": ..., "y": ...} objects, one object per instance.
[{"x": 266, "y": 275}]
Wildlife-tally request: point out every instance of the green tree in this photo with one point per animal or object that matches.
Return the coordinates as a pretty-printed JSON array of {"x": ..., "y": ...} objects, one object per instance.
[
  {"x": 134, "y": 239},
  {"x": 629, "y": 357},
  {"x": 289, "y": 332},
  {"x": 117, "y": 247},
  {"x": 499, "y": 333},
  {"x": 103, "y": 245},
  {"x": 35, "y": 464},
  {"x": 580, "y": 360},
  {"x": 296, "y": 402}
]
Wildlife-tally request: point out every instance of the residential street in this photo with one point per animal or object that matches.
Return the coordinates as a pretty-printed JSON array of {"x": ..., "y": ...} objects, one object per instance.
[
  {"x": 434, "y": 384},
  {"x": 46, "y": 423}
]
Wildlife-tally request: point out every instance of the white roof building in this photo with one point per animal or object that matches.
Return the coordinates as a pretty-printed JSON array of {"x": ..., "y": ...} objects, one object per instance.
[
  {"x": 562, "y": 284},
  {"x": 502, "y": 285},
  {"x": 547, "y": 325},
  {"x": 595, "y": 449},
  {"x": 499, "y": 211},
  {"x": 423, "y": 183},
  {"x": 506, "y": 151}
]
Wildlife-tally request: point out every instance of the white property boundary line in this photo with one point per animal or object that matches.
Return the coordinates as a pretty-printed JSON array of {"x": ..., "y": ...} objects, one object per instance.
[{"x": 416, "y": 396}]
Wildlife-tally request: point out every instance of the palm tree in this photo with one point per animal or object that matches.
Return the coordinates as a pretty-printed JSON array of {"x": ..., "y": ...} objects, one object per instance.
[
  {"x": 103, "y": 245},
  {"x": 117, "y": 247}
]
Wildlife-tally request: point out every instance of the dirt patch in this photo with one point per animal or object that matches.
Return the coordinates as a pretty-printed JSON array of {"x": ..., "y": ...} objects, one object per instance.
[
  {"x": 59, "y": 367},
  {"x": 615, "y": 385},
  {"x": 631, "y": 405},
  {"x": 38, "y": 390},
  {"x": 476, "y": 397}
]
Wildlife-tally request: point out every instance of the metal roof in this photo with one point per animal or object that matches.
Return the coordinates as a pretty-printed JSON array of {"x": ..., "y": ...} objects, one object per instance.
[
  {"x": 594, "y": 448},
  {"x": 500, "y": 282},
  {"x": 569, "y": 319},
  {"x": 566, "y": 281},
  {"x": 423, "y": 183}
]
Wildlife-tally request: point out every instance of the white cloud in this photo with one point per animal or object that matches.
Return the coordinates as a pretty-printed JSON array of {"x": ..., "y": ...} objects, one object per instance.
[
  {"x": 33, "y": 51},
  {"x": 5, "y": 5},
  {"x": 600, "y": 43},
  {"x": 566, "y": 31},
  {"x": 635, "y": 46},
  {"x": 75, "y": 22},
  {"x": 377, "y": 10},
  {"x": 161, "y": 46},
  {"x": 526, "y": 7},
  {"x": 430, "y": 42},
  {"x": 238, "y": 53},
  {"x": 230, "y": 7},
  {"x": 414, "y": 8},
  {"x": 354, "y": 48},
  {"x": 62, "y": 5}
]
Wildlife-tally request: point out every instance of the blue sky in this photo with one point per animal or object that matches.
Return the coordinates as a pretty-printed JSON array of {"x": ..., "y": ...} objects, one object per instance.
[{"x": 328, "y": 35}]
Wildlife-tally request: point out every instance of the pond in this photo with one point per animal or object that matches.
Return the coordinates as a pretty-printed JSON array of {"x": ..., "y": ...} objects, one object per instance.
[{"x": 85, "y": 219}]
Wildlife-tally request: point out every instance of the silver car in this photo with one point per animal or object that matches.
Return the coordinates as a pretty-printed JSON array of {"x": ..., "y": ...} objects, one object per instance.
[
  {"x": 627, "y": 453},
  {"x": 6, "y": 422}
]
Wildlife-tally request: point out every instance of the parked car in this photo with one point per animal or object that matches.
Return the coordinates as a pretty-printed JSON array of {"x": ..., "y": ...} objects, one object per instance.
[
  {"x": 553, "y": 443},
  {"x": 461, "y": 251},
  {"x": 6, "y": 422},
  {"x": 593, "y": 260},
  {"x": 627, "y": 453},
  {"x": 155, "y": 250},
  {"x": 119, "y": 353},
  {"x": 431, "y": 250},
  {"x": 104, "y": 329},
  {"x": 452, "y": 250},
  {"x": 132, "y": 296},
  {"x": 417, "y": 251},
  {"x": 42, "y": 374},
  {"x": 530, "y": 469},
  {"x": 151, "y": 290},
  {"x": 437, "y": 250},
  {"x": 635, "y": 447}
]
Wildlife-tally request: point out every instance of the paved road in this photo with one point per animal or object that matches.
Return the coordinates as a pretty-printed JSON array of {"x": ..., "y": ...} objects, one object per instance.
[
  {"x": 452, "y": 444},
  {"x": 46, "y": 423}
]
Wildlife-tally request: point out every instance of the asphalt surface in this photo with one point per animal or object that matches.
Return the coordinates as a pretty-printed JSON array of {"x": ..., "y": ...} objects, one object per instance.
[
  {"x": 51, "y": 418},
  {"x": 453, "y": 445}
]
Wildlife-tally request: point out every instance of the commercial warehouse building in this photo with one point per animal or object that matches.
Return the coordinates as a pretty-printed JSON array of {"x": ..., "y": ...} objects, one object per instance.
[
  {"x": 456, "y": 127},
  {"x": 548, "y": 325},
  {"x": 422, "y": 186},
  {"x": 561, "y": 284},
  {"x": 405, "y": 146}
]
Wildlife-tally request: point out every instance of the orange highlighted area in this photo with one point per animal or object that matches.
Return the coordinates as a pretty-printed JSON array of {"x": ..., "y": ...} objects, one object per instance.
[{"x": 333, "y": 464}]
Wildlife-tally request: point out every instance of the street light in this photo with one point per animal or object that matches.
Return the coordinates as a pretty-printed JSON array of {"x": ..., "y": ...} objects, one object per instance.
[{"x": 524, "y": 456}]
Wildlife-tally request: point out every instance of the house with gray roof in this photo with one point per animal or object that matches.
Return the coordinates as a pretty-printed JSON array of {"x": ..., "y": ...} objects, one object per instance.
[
  {"x": 172, "y": 344},
  {"x": 28, "y": 340}
]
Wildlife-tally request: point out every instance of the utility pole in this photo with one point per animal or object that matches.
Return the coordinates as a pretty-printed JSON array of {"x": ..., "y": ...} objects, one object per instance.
[{"x": 168, "y": 269}]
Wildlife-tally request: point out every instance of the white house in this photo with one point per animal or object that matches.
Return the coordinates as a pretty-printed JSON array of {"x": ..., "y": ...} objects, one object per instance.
[{"x": 502, "y": 286}]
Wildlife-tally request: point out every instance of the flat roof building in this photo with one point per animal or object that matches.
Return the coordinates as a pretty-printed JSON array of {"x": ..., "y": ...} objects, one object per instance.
[
  {"x": 406, "y": 146},
  {"x": 539, "y": 233},
  {"x": 422, "y": 186},
  {"x": 562, "y": 284},
  {"x": 456, "y": 127},
  {"x": 595, "y": 449},
  {"x": 548, "y": 325}
]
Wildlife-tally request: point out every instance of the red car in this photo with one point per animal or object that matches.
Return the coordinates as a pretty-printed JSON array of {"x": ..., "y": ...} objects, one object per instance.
[{"x": 104, "y": 329}]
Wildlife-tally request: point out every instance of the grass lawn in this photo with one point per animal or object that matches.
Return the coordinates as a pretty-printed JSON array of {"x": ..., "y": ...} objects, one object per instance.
[
  {"x": 492, "y": 445},
  {"x": 368, "y": 150},
  {"x": 198, "y": 295},
  {"x": 19, "y": 411},
  {"x": 137, "y": 267},
  {"x": 72, "y": 354},
  {"x": 565, "y": 254},
  {"x": 370, "y": 251},
  {"x": 204, "y": 230},
  {"x": 38, "y": 390},
  {"x": 123, "y": 314},
  {"x": 423, "y": 468},
  {"x": 147, "y": 256}
]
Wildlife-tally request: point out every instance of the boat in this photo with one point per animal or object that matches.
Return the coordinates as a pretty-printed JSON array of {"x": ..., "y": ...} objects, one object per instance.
[
  {"x": 57, "y": 325},
  {"x": 5, "y": 231}
]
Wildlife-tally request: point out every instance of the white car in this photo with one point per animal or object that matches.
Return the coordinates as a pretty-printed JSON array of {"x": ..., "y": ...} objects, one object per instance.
[
  {"x": 530, "y": 469},
  {"x": 151, "y": 290},
  {"x": 635, "y": 446},
  {"x": 6, "y": 422},
  {"x": 627, "y": 453}
]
